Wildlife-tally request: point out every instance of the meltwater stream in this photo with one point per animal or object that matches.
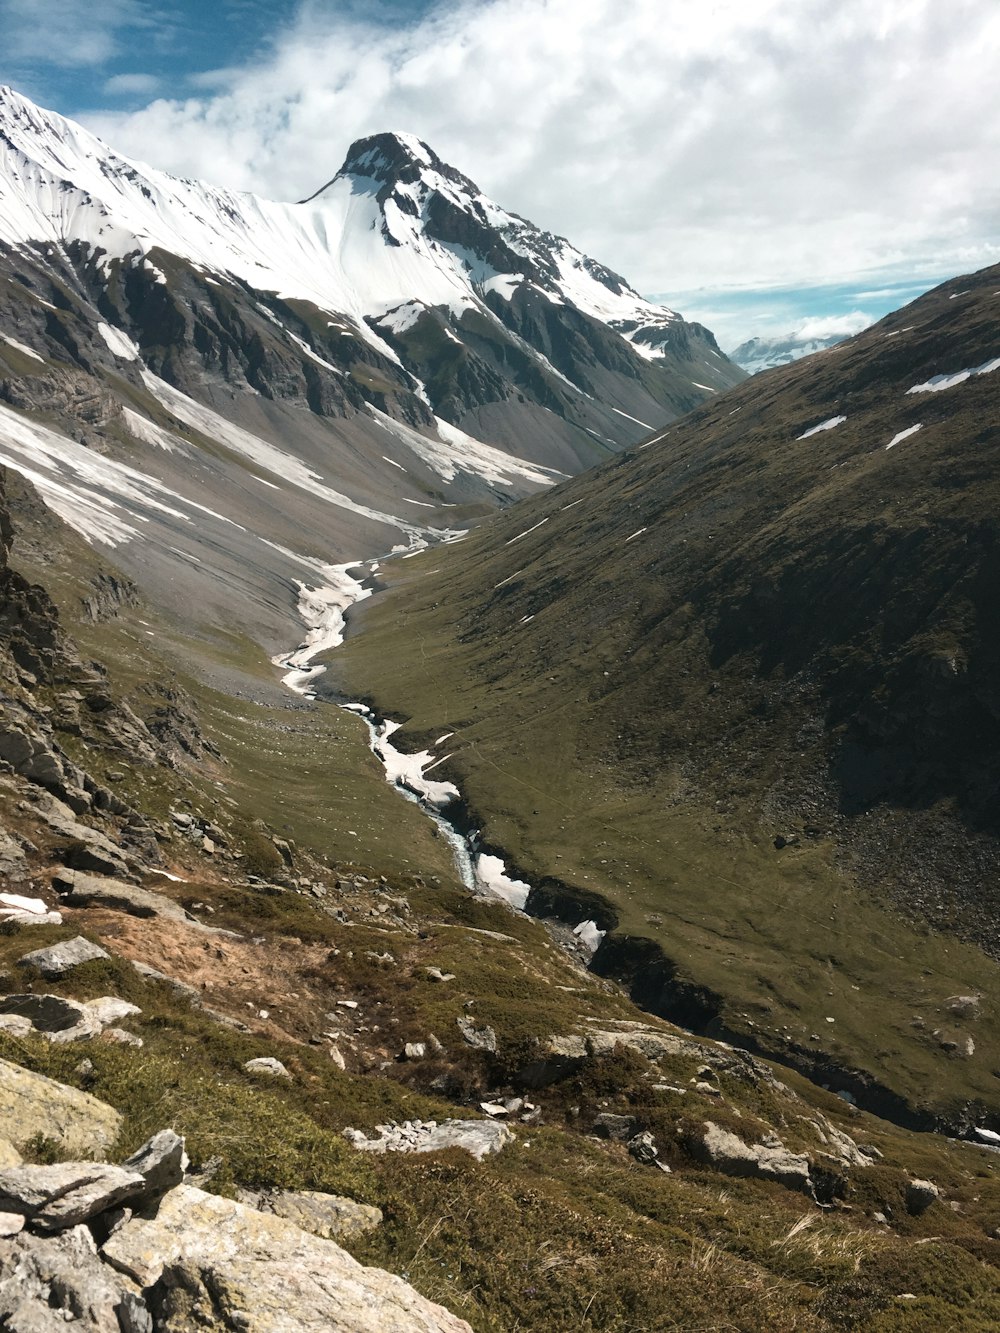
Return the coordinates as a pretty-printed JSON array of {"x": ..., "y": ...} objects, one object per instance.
[{"x": 323, "y": 608}]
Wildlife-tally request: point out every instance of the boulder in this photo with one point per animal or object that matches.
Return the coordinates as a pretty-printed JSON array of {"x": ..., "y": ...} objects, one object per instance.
[
  {"x": 56, "y": 1197},
  {"x": 920, "y": 1194},
  {"x": 60, "y": 958},
  {"x": 31, "y": 1104},
  {"x": 261, "y": 1273},
  {"x": 108, "y": 1009},
  {"x": 643, "y": 1148},
  {"x": 161, "y": 1161},
  {"x": 727, "y": 1153},
  {"x": 267, "y": 1064},
  {"x": 80, "y": 890},
  {"x": 483, "y": 1039},
  {"x": 619, "y": 1127},
  {"x": 50, "y": 1282},
  {"x": 325, "y": 1215}
]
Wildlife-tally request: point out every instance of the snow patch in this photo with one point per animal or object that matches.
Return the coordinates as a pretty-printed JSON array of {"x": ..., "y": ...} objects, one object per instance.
[
  {"x": 588, "y": 934},
  {"x": 407, "y": 770},
  {"x": 324, "y": 610},
  {"x": 20, "y": 347},
  {"x": 903, "y": 435},
  {"x": 119, "y": 343},
  {"x": 948, "y": 381},
  {"x": 823, "y": 425},
  {"x": 492, "y": 877}
]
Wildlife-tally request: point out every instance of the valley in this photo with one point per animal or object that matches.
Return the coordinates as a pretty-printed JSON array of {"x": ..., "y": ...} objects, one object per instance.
[{"x": 515, "y": 795}]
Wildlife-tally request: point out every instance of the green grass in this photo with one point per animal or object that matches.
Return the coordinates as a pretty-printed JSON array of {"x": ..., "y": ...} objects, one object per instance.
[{"x": 658, "y": 680}]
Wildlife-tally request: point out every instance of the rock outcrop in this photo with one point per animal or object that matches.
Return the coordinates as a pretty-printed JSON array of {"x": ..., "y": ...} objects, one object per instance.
[
  {"x": 33, "y": 1105},
  {"x": 131, "y": 1249}
]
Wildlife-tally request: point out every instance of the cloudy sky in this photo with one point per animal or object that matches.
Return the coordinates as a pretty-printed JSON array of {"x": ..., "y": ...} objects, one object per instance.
[{"x": 757, "y": 163}]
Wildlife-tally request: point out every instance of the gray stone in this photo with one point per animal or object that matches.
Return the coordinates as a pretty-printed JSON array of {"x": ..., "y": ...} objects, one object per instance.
[
  {"x": 435, "y": 974},
  {"x": 60, "y": 958},
  {"x": 178, "y": 987},
  {"x": 483, "y": 1039},
  {"x": 119, "y": 1037},
  {"x": 31, "y": 1104},
  {"x": 61, "y": 1196},
  {"x": 62, "y": 820},
  {"x": 726, "y": 1152},
  {"x": 161, "y": 1161},
  {"x": 643, "y": 1148},
  {"x": 80, "y": 890},
  {"x": 50, "y": 1282},
  {"x": 618, "y": 1127},
  {"x": 478, "y": 1137},
  {"x": 325, "y": 1215},
  {"x": 261, "y": 1273},
  {"x": 109, "y": 1009},
  {"x": 920, "y": 1194},
  {"x": 11, "y": 1224},
  {"x": 267, "y": 1064}
]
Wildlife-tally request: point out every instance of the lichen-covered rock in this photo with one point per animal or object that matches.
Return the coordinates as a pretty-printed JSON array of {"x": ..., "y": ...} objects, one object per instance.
[
  {"x": 49, "y": 1283},
  {"x": 54, "y": 1017},
  {"x": 325, "y": 1215},
  {"x": 56, "y": 1197},
  {"x": 161, "y": 1161},
  {"x": 31, "y": 1104},
  {"x": 218, "y": 1264}
]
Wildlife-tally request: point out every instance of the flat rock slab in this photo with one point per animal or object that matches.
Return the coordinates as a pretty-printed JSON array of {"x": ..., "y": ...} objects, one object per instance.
[
  {"x": 56, "y": 1197},
  {"x": 61, "y": 958},
  {"x": 31, "y": 1104},
  {"x": 54, "y": 1017},
  {"x": 80, "y": 890},
  {"x": 261, "y": 1274},
  {"x": 728, "y": 1153},
  {"x": 478, "y": 1137},
  {"x": 325, "y": 1215}
]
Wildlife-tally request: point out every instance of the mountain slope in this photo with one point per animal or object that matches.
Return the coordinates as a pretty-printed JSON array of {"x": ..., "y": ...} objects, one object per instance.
[
  {"x": 733, "y": 695},
  {"x": 238, "y": 395}
]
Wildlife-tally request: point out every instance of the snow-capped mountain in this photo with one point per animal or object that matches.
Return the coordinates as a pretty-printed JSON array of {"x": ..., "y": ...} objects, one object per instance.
[
  {"x": 195, "y": 372},
  {"x": 481, "y": 312},
  {"x": 757, "y": 354}
]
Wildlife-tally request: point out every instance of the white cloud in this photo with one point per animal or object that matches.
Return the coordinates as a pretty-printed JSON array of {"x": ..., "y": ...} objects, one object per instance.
[
  {"x": 141, "y": 85},
  {"x": 760, "y": 141},
  {"x": 834, "y": 326},
  {"x": 63, "y": 33}
]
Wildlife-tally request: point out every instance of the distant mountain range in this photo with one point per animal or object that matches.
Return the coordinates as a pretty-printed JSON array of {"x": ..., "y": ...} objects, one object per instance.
[{"x": 757, "y": 354}]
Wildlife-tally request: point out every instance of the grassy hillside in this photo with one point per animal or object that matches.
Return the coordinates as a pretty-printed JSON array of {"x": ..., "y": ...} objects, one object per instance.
[{"x": 740, "y": 684}]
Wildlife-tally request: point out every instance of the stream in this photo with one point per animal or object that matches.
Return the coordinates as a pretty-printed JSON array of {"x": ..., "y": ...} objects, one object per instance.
[{"x": 324, "y": 610}]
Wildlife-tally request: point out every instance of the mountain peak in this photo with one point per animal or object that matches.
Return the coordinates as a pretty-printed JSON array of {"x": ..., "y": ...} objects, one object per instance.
[{"x": 385, "y": 156}]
